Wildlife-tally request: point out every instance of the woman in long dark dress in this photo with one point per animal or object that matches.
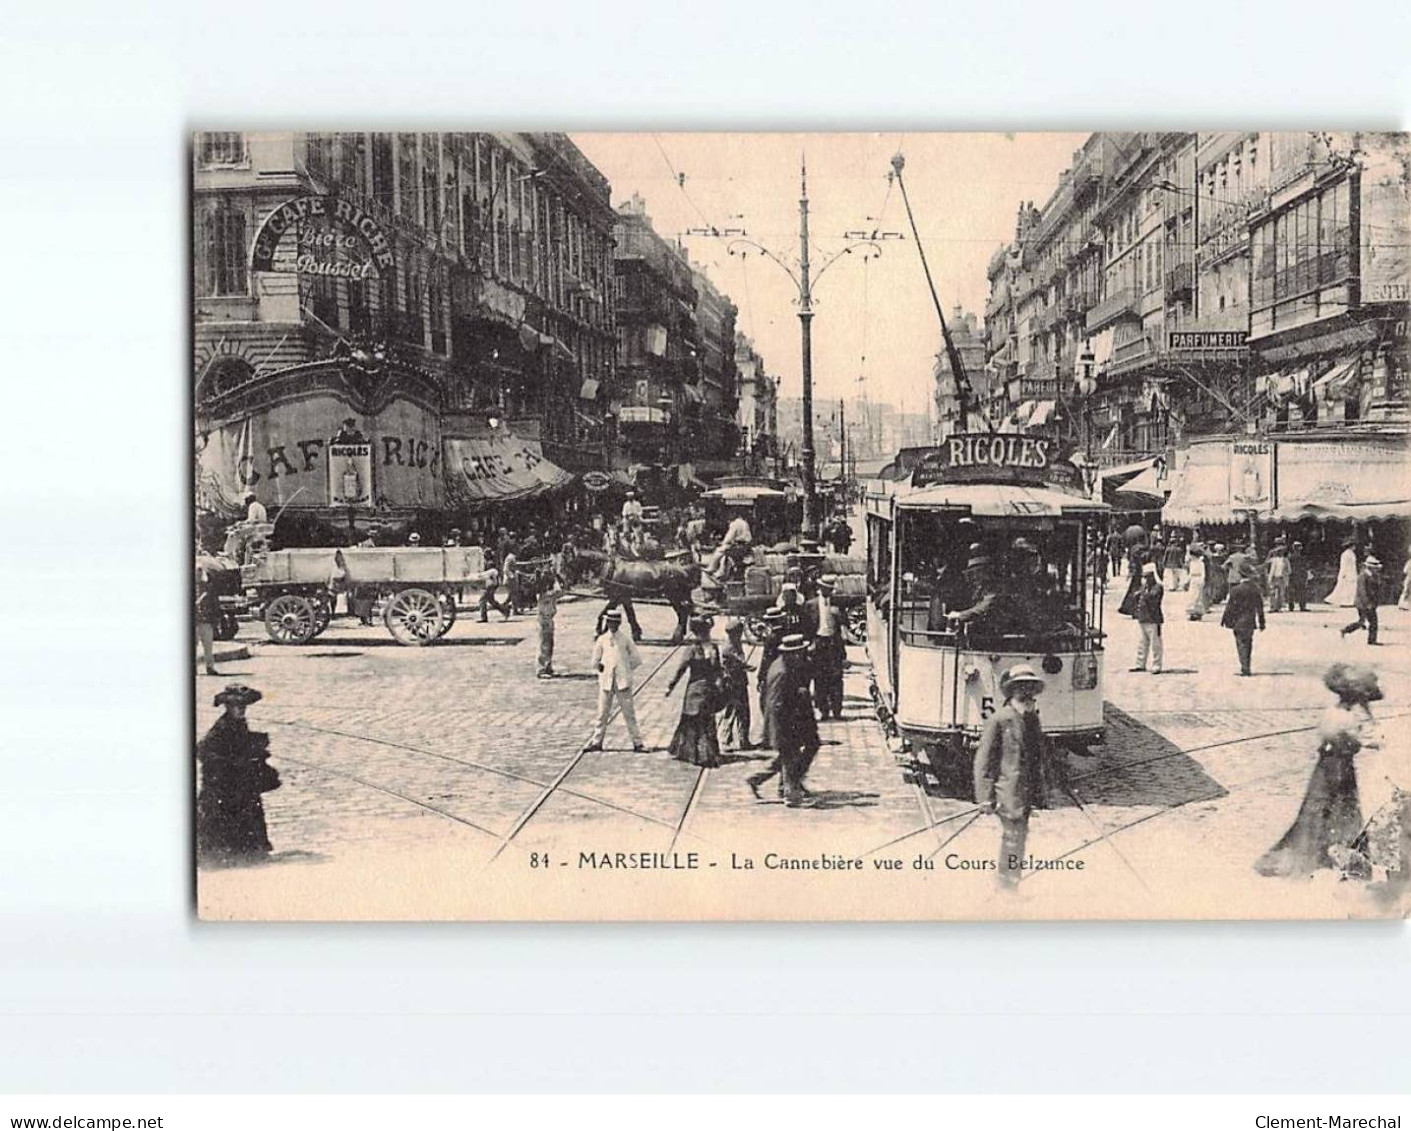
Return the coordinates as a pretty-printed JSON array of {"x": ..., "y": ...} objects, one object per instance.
[
  {"x": 695, "y": 740},
  {"x": 1330, "y": 818},
  {"x": 230, "y": 817}
]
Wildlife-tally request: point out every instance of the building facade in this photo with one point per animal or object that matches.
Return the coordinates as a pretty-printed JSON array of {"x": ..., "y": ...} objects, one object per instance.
[
  {"x": 658, "y": 342},
  {"x": 969, "y": 342},
  {"x": 758, "y": 411},
  {"x": 711, "y": 435},
  {"x": 1240, "y": 301},
  {"x": 444, "y": 296}
]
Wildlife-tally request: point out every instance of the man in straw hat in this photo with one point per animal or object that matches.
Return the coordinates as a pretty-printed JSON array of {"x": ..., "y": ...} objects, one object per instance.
[
  {"x": 1149, "y": 621},
  {"x": 615, "y": 658},
  {"x": 1244, "y": 612},
  {"x": 789, "y": 720},
  {"x": 1009, "y": 770},
  {"x": 1368, "y": 584}
]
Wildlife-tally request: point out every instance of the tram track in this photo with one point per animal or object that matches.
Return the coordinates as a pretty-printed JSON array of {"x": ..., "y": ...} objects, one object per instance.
[
  {"x": 496, "y": 771},
  {"x": 974, "y": 812},
  {"x": 548, "y": 791}
]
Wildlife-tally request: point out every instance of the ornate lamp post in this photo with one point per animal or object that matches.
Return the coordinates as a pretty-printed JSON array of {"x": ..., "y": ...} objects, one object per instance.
[
  {"x": 805, "y": 282},
  {"x": 1084, "y": 386}
]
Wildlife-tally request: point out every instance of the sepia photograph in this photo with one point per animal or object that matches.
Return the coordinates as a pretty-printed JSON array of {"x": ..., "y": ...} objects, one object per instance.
[{"x": 807, "y": 526}]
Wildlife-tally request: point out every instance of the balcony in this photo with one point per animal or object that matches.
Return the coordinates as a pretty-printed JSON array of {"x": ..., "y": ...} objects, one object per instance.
[
  {"x": 1131, "y": 355},
  {"x": 1180, "y": 279},
  {"x": 1123, "y": 304}
]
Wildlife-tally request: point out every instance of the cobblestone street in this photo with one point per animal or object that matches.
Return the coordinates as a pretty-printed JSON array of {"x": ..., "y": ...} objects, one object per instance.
[{"x": 417, "y": 778}]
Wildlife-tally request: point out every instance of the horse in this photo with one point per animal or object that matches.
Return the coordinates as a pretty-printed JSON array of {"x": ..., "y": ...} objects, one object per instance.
[{"x": 622, "y": 580}]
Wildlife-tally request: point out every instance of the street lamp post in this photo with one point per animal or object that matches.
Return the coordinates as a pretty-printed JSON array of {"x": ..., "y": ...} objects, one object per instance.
[
  {"x": 805, "y": 281},
  {"x": 810, "y": 497}
]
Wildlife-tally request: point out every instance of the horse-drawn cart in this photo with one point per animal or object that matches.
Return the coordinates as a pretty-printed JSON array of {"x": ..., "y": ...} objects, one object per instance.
[
  {"x": 748, "y": 596},
  {"x": 415, "y": 588}
]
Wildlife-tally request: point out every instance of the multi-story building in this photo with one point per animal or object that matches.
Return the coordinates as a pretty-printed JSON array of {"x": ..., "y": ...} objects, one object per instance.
[
  {"x": 758, "y": 418},
  {"x": 658, "y": 342},
  {"x": 442, "y": 296},
  {"x": 712, "y": 436},
  {"x": 1241, "y": 300},
  {"x": 969, "y": 342}
]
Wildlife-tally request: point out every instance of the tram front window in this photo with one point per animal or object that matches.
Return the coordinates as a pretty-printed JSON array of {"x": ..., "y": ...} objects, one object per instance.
[{"x": 1019, "y": 581}]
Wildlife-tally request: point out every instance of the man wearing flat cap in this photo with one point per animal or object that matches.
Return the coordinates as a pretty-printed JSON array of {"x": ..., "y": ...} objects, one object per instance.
[
  {"x": 1149, "y": 621},
  {"x": 1009, "y": 766}
]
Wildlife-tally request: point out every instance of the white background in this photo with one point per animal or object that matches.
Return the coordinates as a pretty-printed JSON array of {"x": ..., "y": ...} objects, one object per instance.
[{"x": 107, "y": 984}]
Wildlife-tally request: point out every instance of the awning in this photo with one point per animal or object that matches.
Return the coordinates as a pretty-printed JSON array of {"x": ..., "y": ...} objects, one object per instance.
[
  {"x": 742, "y": 494},
  {"x": 1359, "y": 477},
  {"x": 1335, "y": 383},
  {"x": 1145, "y": 491},
  {"x": 999, "y": 500},
  {"x": 500, "y": 469},
  {"x": 1042, "y": 411},
  {"x": 1200, "y": 491}
]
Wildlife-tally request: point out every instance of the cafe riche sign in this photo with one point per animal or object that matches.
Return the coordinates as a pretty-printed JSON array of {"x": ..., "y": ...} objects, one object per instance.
[{"x": 331, "y": 237}]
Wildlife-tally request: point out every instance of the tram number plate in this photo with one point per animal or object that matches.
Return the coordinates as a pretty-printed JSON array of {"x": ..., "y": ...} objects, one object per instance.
[{"x": 987, "y": 706}]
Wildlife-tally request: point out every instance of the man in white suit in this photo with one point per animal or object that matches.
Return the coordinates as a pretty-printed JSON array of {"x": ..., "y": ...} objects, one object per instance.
[{"x": 615, "y": 658}]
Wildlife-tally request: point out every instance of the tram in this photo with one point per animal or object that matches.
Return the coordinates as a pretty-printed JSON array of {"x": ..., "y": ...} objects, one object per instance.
[{"x": 998, "y": 524}]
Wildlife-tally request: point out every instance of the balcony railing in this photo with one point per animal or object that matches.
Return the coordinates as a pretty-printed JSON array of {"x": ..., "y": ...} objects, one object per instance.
[
  {"x": 1129, "y": 355},
  {"x": 1180, "y": 279},
  {"x": 1120, "y": 305}
]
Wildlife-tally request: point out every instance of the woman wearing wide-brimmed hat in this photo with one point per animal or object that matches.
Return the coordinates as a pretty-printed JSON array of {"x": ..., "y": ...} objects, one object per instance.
[
  {"x": 1330, "y": 818},
  {"x": 695, "y": 740},
  {"x": 235, "y": 770}
]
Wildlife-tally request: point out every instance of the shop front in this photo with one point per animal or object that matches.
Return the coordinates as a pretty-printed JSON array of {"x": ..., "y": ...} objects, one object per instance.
[
  {"x": 327, "y": 451},
  {"x": 1319, "y": 488}
]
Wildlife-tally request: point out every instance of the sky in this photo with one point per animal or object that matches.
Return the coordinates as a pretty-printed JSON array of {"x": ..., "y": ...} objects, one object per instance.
[{"x": 872, "y": 318}]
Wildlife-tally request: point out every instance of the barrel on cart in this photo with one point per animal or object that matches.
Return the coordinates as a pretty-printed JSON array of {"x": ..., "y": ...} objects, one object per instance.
[{"x": 415, "y": 588}]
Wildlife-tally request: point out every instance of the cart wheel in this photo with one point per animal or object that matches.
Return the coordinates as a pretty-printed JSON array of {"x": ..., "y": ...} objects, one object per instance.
[
  {"x": 448, "y": 612},
  {"x": 756, "y": 630},
  {"x": 414, "y": 616},
  {"x": 291, "y": 619},
  {"x": 228, "y": 627},
  {"x": 857, "y": 623}
]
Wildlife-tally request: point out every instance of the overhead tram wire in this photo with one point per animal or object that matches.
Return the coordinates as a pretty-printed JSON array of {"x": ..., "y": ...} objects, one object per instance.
[{"x": 680, "y": 179}]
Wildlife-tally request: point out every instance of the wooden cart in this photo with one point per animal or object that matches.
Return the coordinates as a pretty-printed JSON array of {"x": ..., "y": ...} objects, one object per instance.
[{"x": 415, "y": 588}]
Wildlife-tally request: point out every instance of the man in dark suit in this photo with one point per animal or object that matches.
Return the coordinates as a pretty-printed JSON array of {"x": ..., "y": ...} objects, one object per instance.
[
  {"x": 788, "y": 720},
  {"x": 1244, "y": 611},
  {"x": 1009, "y": 770},
  {"x": 1368, "y": 584}
]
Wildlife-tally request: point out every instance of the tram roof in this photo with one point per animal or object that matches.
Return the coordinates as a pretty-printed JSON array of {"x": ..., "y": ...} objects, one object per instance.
[{"x": 1003, "y": 500}]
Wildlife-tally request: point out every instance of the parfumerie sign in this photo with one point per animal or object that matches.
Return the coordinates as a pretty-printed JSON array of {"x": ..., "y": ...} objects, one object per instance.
[
  {"x": 1207, "y": 339},
  {"x": 336, "y": 238}
]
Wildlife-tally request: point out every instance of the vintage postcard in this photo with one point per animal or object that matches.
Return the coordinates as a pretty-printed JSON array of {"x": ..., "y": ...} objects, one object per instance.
[{"x": 807, "y": 526}]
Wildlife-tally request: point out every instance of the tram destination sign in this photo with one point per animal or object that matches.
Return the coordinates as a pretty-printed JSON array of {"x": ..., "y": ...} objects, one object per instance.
[{"x": 986, "y": 457}]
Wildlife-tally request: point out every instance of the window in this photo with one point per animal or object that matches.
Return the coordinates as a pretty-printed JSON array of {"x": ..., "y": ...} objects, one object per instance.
[
  {"x": 359, "y": 320},
  {"x": 436, "y": 300},
  {"x": 223, "y": 149},
  {"x": 1306, "y": 248},
  {"x": 431, "y": 182},
  {"x": 413, "y": 321},
  {"x": 383, "y": 163},
  {"x": 406, "y": 178},
  {"x": 319, "y": 152},
  {"x": 222, "y": 268},
  {"x": 352, "y": 162}
]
